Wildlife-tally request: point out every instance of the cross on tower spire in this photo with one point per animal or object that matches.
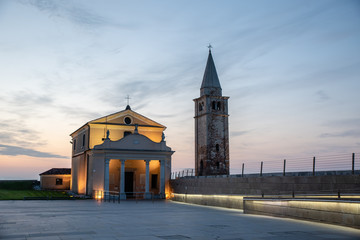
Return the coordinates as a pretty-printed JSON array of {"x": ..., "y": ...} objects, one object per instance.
[{"x": 209, "y": 47}]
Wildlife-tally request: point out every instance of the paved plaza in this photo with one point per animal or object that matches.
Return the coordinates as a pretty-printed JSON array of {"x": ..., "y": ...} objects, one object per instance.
[{"x": 88, "y": 219}]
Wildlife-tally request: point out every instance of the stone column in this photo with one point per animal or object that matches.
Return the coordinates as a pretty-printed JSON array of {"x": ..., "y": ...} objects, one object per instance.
[
  {"x": 106, "y": 177},
  {"x": 147, "y": 180},
  {"x": 162, "y": 178},
  {"x": 122, "y": 180}
]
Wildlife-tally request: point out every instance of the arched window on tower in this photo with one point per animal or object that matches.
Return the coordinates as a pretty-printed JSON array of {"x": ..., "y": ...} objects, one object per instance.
[
  {"x": 201, "y": 167},
  {"x": 217, "y": 147},
  {"x": 200, "y": 107},
  {"x": 218, "y": 106},
  {"x": 213, "y": 105},
  {"x": 217, "y": 165},
  {"x": 83, "y": 140}
]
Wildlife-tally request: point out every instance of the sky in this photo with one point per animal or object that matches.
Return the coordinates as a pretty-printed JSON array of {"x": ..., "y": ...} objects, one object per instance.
[{"x": 290, "y": 68}]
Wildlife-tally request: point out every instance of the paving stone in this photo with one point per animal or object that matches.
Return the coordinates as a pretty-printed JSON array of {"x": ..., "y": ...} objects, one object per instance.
[{"x": 90, "y": 220}]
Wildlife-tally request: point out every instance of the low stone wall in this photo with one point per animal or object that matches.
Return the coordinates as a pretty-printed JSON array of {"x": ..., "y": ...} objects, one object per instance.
[
  {"x": 339, "y": 212},
  {"x": 228, "y": 201},
  {"x": 267, "y": 185},
  {"x": 242, "y": 192}
]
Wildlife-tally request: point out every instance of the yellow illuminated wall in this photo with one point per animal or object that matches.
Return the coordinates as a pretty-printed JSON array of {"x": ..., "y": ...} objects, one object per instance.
[
  {"x": 98, "y": 132},
  {"x": 78, "y": 174},
  {"x": 49, "y": 181}
]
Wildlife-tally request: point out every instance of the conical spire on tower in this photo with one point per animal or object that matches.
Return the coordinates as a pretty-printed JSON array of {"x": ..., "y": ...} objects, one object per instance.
[{"x": 210, "y": 84}]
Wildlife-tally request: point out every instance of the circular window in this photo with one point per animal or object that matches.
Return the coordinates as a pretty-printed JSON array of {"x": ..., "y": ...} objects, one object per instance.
[{"x": 127, "y": 120}]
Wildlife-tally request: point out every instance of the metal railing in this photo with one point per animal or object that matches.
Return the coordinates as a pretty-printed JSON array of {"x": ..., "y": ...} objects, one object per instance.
[
  {"x": 114, "y": 196},
  {"x": 188, "y": 172},
  {"x": 312, "y": 165}
]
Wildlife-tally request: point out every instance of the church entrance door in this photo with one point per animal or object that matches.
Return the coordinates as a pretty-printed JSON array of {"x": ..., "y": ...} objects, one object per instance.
[{"x": 129, "y": 184}]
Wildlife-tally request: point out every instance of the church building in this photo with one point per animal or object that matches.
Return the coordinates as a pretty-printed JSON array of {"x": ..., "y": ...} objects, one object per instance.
[
  {"x": 123, "y": 153},
  {"x": 211, "y": 125}
]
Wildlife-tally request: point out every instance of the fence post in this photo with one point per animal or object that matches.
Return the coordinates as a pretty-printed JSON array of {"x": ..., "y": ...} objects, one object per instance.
[
  {"x": 242, "y": 170},
  {"x": 284, "y": 167},
  {"x": 261, "y": 169},
  {"x": 353, "y": 164},
  {"x": 314, "y": 166}
]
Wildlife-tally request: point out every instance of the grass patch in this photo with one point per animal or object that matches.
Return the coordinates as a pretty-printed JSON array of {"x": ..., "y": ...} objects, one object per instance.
[{"x": 20, "y": 194}]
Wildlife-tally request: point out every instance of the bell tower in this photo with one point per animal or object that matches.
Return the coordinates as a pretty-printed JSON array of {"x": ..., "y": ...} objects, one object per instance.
[{"x": 211, "y": 125}]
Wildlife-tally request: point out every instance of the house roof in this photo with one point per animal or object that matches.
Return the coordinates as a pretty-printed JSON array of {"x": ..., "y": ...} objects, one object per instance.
[{"x": 57, "y": 171}]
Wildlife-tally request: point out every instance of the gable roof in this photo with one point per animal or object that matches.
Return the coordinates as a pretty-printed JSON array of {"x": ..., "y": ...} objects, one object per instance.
[
  {"x": 111, "y": 119},
  {"x": 57, "y": 171}
]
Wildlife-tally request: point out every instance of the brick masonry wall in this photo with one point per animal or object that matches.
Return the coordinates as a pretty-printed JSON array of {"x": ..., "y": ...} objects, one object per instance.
[{"x": 267, "y": 185}]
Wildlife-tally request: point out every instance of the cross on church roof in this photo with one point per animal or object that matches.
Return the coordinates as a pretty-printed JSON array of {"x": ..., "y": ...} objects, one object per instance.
[
  {"x": 210, "y": 47},
  {"x": 128, "y": 99},
  {"x": 128, "y": 103}
]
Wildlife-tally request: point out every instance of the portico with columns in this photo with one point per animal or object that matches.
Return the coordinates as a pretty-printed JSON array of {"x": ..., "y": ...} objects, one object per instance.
[{"x": 133, "y": 164}]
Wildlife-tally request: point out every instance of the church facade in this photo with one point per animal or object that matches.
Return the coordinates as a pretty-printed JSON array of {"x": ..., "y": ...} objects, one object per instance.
[
  {"x": 211, "y": 125},
  {"x": 123, "y": 153}
]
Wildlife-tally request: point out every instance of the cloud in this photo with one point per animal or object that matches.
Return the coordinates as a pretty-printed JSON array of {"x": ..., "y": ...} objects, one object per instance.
[
  {"x": 142, "y": 90},
  {"x": 15, "y": 151},
  {"x": 348, "y": 122},
  {"x": 154, "y": 83},
  {"x": 348, "y": 133},
  {"x": 16, "y": 132},
  {"x": 24, "y": 104},
  {"x": 276, "y": 31},
  {"x": 77, "y": 112},
  {"x": 238, "y": 133},
  {"x": 24, "y": 98},
  {"x": 164, "y": 115},
  {"x": 322, "y": 95},
  {"x": 67, "y": 10}
]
